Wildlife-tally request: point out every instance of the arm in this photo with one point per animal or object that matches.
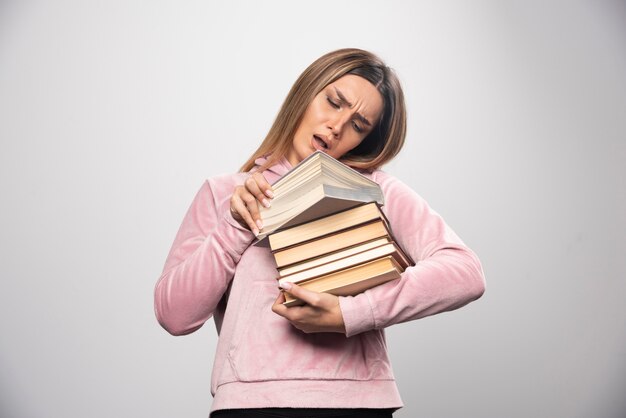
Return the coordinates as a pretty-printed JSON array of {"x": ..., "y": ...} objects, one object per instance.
[
  {"x": 201, "y": 262},
  {"x": 447, "y": 274}
]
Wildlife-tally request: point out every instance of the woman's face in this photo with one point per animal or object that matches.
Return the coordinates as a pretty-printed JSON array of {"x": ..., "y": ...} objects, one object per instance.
[{"x": 338, "y": 119}]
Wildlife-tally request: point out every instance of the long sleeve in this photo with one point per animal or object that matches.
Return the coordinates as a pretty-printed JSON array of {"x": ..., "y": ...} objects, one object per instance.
[
  {"x": 202, "y": 260},
  {"x": 447, "y": 274}
]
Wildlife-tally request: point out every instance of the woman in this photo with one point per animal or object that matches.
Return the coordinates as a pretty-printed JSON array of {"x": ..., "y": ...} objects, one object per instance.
[{"x": 328, "y": 357}]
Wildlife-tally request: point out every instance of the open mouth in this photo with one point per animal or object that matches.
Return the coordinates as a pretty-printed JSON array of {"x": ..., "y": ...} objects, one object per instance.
[{"x": 319, "y": 142}]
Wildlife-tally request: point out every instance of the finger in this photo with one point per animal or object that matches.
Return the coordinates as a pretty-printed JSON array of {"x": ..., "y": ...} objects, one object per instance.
[
  {"x": 279, "y": 308},
  {"x": 238, "y": 206},
  {"x": 253, "y": 188},
  {"x": 263, "y": 184},
  {"x": 308, "y": 296},
  {"x": 253, "y": 208}
]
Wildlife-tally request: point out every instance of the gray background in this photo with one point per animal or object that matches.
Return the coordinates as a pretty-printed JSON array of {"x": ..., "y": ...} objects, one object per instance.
[{"x": 113, "y": 113}]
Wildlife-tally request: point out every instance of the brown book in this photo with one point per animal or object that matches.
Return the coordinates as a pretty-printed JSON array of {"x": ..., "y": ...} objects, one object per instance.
[
  {"x": 351, "y": 281},
  {"x": 325, "y": 225},
  {"x": 307, "y": 264},
  {"x": 389, "y": 249},
  {"x": 331, "y": 243}
]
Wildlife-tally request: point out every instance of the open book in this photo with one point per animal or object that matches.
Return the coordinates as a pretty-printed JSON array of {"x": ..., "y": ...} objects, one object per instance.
[{"x": 319, "y": 185}]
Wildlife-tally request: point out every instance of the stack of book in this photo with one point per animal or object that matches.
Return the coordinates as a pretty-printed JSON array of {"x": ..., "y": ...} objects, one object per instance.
[{"x": 326, "y": 230}]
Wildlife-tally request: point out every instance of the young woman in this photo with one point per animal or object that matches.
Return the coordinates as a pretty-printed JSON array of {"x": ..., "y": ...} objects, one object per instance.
[{"x": 329, "y": 357}]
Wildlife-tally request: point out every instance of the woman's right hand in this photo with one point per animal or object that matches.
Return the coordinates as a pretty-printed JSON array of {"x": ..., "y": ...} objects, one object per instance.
[{"x": 244, "y": 203}]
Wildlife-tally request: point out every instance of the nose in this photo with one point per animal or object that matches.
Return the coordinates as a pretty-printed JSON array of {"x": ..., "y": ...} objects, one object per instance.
[
  {"x": 336, "y": 124},
  {"x": 334, "y": 131}
]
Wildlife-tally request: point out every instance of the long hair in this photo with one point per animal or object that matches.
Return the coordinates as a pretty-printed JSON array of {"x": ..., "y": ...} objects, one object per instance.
[{"x": 382, "y": 143}]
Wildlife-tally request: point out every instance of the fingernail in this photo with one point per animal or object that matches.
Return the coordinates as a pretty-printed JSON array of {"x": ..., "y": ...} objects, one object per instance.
[
  {"x": 255, "y": 232},
  {"x": 266, "y": 203},
  {"x": 259, "y": 224},
  {"x": 285, "y": 285},
  {"x": 269, "y": 194}
]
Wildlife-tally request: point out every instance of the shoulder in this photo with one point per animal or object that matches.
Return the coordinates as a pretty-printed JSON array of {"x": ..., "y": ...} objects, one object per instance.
[
  {"x": 220, "y": 188},
  {"x": 392, "y": 186},
  {"x": 382, "y": 177},
  {"x": 403, "y": 206},
  {"x": 226, "y": 180}
]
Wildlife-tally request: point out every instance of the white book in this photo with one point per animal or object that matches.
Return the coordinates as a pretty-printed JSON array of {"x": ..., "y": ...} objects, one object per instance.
[{"x": 318, "y": 186}]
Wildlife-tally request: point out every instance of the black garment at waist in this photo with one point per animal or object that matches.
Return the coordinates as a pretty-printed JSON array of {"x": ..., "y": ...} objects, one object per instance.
[{"x": 303, "y": 413}]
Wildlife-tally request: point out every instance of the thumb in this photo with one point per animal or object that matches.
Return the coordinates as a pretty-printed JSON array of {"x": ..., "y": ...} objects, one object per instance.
[{"x": 308, "y": 296}]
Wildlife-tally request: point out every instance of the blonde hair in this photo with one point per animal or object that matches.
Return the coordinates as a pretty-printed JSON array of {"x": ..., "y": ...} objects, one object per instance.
[{"x": 383, "y": 142}]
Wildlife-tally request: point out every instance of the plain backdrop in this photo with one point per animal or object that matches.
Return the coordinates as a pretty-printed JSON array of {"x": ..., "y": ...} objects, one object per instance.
[{"x": 112, "y": 114}]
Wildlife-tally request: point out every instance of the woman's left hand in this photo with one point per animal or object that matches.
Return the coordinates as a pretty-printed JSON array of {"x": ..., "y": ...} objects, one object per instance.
[{"x": 321, "y": 313}]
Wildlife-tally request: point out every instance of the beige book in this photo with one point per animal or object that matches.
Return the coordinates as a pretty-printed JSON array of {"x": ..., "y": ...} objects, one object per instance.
[
  {"x": 325, "y": 225},
  {"x": 351, "y": 281},
  {"x": 294, "y": 268},
  {"x": 389, "y": 249},
  {"x": 331, "y": 243}
]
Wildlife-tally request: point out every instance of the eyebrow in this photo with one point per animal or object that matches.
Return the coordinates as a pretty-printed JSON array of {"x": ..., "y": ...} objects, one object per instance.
[{"x": 358, "y": 115}]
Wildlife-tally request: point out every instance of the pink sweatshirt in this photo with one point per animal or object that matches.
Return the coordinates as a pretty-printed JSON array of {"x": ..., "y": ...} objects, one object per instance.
[{"x": 262, "y": 360}]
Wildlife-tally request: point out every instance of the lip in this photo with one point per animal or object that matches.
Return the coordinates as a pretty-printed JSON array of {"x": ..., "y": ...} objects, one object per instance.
[{"x": 321, "y": 138}]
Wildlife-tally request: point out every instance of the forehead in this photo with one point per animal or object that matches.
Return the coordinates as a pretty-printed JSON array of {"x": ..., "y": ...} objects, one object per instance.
[{"x": 365, "y": 98}]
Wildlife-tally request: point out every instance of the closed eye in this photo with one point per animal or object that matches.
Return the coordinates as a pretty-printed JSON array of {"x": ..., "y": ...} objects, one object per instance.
[
  {"x": 332, "y": 103},
  {"x": 357, "y": 127}
]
